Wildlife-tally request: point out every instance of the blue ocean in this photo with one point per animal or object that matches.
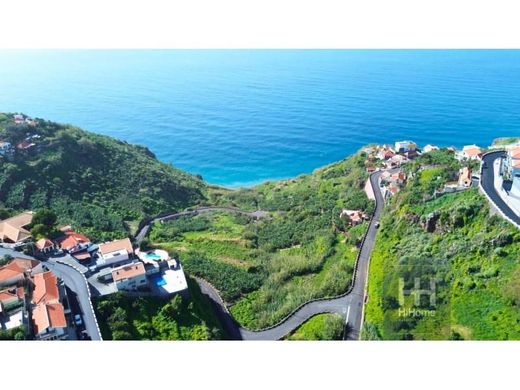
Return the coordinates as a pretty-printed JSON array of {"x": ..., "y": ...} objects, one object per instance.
[{"x": 240, "y": 117}]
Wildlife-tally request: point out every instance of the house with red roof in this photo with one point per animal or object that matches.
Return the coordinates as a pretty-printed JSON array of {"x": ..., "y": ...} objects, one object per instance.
[
  {"x": 44, "y": 245},
  {"x": 48, "y": 314},
  {"x": 72, "y": 241},
  {"x": 14, "y": 272}
]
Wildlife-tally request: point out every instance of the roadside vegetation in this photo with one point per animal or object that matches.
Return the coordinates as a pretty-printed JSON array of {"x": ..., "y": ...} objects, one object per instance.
[
  {"x": 320, "y": 327},
  {"x": 123, "y": 317},
  {"x": 454, "y": 240},
  {"x": 266, "y": 268},
  {"x": 103, "y": 186}
]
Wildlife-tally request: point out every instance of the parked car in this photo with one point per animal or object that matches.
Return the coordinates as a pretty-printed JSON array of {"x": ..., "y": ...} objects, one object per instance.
[
  {"x": 376, "y": 225},
  {"x": 77, "y": 320}
]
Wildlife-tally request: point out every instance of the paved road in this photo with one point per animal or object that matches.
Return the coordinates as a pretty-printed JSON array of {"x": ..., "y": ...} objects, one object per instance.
[
  {"x": 143, "y": 231},
  {"x": 75, "y": 281},
  {"x": 348, "y": 305},
  {"x": 487, "y": 180}
]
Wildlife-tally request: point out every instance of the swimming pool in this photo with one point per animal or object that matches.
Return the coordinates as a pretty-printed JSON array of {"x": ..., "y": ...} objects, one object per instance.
[
  {"x": 158, "y": 280},
  {"x": 152, "y": 256}
]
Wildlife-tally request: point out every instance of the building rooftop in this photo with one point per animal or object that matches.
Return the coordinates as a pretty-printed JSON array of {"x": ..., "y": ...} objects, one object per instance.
[
  {"x": 45, "y": 288},
  {"x": 128, "y": 271},
  {"x": 48, "y": 315},
  {"x": 116, "y": 245},
  {"x": 12, "y": 229},
  {"x": 16, "y": 267}
]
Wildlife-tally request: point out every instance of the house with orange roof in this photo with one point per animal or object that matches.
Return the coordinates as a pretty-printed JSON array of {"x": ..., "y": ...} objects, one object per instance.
[
  {"x": 15, "y": 271},
  {"x": 49, "y": 321},
  {"x": 469, "y": 152},
  {"x": 465, "y": 177},
  {"x": 14, "y": 230},
  {"x": 355, "y": 217},
  {"x": 45, "y": 288},
  {"x": 115, "y": 253},
  {"x": 72, "y": 241},
  {"x": 44, "y": 245},
  {"x": 48, "y": 314},
  {"x": 130, "y": 277}
]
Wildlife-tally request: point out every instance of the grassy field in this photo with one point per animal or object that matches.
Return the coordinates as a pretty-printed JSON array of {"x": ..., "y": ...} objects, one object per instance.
[
  {"x": 320, "y": 327},
  {"x": 471, "y": 255},
  {"x": 265, "y": 268},
  {"x": 147, "y": 318}
]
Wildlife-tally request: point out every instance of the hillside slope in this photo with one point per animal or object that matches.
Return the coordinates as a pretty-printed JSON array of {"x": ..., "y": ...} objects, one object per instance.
[
  {"x": 453, "y": 241},
  {"x": 101, "y": 185}
]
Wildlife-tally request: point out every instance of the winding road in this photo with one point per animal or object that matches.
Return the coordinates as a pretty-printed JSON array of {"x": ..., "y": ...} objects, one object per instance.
[
  {"x": 349, "y": 305},
  {"x": 487, "y": 183},
  {"x": 143, "y": 230}
]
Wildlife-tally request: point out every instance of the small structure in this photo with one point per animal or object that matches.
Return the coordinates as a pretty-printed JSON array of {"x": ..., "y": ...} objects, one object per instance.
[
  {"x": 405, "y": 146},
  {"x": 12, "y": 230},
  {"x": 130, "y": 277},
  {"x": 45, "y": 246},
  {"x": 465, "y": 177},
  {"x": 72, "y": 241},
  {"x": 355, "y": 217},
  {"x": 469, "y": 152}
]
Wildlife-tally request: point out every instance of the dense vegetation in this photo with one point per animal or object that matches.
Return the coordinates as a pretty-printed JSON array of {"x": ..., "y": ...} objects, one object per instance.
[
  {"x": 453, "y": 240},
  {"x": 17, "y": 333},
  {"x": 124, "y": 317},
  {"x": 266, "y": 268},
  {"x": 320, "y": 327},
  {"x": 103, "y": 186}
]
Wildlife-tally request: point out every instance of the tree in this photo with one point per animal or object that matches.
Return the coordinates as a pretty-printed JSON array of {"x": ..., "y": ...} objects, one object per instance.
[
  {"x": 45, "y": 217},
  {"x": 5, "y": 259}
]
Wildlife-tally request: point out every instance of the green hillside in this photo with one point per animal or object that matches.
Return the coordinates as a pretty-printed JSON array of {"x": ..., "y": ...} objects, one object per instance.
[
  {"x": 266, "y": 268},
  {"x": 103, "y": 186},
  {"x": 453, "y": 240}
]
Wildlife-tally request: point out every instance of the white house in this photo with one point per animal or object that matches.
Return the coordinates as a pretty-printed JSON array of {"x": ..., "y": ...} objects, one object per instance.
[
  {"x": 405, "y": 146},
  {"x": 115, "y": 253},
  {"x": 130, "y": 277},
  {"x": 469, "y": 152},
  {"x": 513, "y": 166}
]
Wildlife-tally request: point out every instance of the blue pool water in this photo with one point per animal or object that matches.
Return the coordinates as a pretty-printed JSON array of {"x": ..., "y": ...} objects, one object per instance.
[
  {"x": 241, "y": 117},
  {"x": 152, "y": 256},
  {"x": 158, "y": 280}
]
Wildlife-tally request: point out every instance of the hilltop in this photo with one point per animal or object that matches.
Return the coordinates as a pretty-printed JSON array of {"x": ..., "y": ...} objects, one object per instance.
[{"x": 101, "y": 185}]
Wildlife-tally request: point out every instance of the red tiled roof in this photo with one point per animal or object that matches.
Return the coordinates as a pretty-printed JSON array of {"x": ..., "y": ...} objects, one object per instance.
[
  {"x": 71, "y": 239},
  {"x": 116, "y": 245},
  {"x": 48, "y": 315},
  {"x": 43, "y": 243},
  {"x": 16, "y": 268},
  {"x": 128, "y": 271},
  {"x": 45, "y": 288}
]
